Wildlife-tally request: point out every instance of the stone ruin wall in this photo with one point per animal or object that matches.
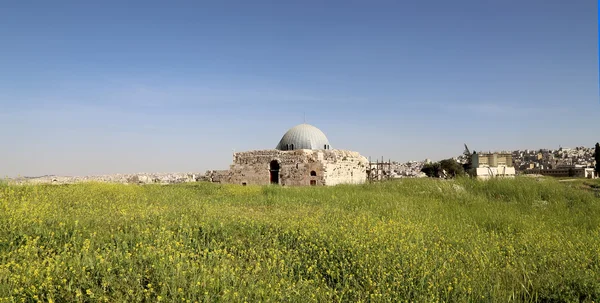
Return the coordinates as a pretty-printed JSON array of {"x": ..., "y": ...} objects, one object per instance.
[
  {"x": 253, "y": 167},
  {"x": 216, "y": 176},
  {"x": 345, "y": 167},
  {"x": 331, "y": 167}
]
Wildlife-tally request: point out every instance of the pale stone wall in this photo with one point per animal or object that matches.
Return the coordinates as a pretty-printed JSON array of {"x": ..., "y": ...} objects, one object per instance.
[
  {"x": 490, "y": 172},
  {"x": 216, "y": 176},
  {"x": 345, "y": 167},
  {"x": 329, "y": 166}
]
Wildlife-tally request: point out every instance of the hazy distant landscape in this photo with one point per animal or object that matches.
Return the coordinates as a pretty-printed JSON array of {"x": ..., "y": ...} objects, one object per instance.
[{"x": 524, "y": 239}]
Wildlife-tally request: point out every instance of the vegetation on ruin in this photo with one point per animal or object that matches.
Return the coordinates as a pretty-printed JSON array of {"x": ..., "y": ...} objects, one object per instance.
[{"x": 418, "y": 240}]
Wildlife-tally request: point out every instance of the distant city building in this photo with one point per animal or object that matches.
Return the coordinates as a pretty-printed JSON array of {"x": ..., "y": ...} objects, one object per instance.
[
  {"x": 490, "y": 165},
  {"x": 564, "y": 171},
  {"x": 553, "y": 162}
]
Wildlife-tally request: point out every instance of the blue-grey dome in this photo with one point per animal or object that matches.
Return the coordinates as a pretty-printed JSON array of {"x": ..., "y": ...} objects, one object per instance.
[{"x": 303, "y": 136}]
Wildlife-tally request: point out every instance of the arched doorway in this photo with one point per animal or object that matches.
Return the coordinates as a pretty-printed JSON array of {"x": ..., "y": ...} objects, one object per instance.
[{"x": 274, "y": 169}]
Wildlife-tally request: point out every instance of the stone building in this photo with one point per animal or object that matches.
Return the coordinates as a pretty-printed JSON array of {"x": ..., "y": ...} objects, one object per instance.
[
  {"x": 577, "y": 171},
  {"x": 489, "y": 165},
  {"x": 303, "y": 156}
]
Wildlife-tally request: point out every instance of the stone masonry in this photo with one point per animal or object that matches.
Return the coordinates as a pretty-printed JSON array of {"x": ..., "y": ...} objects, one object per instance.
[{"x": 297, "y": 167}]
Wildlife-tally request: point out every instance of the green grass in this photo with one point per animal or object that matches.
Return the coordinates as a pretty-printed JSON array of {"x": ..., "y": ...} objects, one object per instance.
[{"x": 419, "y": 240}]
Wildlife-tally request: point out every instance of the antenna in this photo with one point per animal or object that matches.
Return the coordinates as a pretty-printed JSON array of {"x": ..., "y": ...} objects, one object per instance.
[{"x": 304, "y": 116}]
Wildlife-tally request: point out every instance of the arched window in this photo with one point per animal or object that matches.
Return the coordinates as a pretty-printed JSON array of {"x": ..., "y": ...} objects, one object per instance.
[
  {"x": 313, "y": 173},
  {"x": 291, "y": 146}
]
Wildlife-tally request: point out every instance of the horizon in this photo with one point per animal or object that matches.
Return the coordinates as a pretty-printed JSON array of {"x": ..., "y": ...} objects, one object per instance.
[
  {"x": 372, "y": 160},
  {"x": 103, "y": 88}
]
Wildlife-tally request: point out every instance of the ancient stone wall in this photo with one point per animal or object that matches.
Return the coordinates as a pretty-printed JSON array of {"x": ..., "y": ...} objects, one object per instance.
[
  {"x": 344, "y": 167},
  {"x": 216, "y": 176},
  {"x": 298, "y": 167}
]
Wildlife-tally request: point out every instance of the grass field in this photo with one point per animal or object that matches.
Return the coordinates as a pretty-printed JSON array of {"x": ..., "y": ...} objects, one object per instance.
[{"x": 418, "y": 240}]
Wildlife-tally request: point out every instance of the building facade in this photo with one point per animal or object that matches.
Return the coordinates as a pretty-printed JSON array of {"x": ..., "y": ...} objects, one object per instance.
[
  {"x": 564, "y": 171},
  {"x": 490, "y": 165},
  {"x": 303, "y": 157}
]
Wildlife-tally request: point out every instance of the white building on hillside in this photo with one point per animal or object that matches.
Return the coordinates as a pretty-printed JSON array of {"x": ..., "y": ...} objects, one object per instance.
[{"x": 489, "y": 165}]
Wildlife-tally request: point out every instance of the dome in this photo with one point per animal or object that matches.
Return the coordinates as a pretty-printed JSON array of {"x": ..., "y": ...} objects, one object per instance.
[{"x": 303, "y": 136}]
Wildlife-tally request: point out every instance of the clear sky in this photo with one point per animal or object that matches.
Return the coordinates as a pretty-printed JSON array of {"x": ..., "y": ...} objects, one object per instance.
[{"x": 100, "y": 87}]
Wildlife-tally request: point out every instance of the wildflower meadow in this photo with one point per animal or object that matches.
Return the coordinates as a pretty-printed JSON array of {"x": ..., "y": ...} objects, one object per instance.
[{"x": 411, "y": 240}]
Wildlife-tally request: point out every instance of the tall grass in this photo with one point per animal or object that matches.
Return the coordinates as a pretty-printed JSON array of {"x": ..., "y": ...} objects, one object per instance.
[{"x": 410, "y": 240}]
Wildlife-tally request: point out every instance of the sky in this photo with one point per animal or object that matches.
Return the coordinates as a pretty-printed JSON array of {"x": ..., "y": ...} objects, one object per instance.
[{"x": 105, "y": 87}]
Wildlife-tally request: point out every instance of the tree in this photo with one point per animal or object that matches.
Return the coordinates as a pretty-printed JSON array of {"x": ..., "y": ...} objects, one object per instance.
[
  {"x": 431, "y": 169},
  {"x": 452, "y": 167},
  {"x": 597, "y": 158}
]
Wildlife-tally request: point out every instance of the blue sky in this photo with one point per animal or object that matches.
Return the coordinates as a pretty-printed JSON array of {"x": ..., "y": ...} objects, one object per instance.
[{"x": 98, "y": 87}]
